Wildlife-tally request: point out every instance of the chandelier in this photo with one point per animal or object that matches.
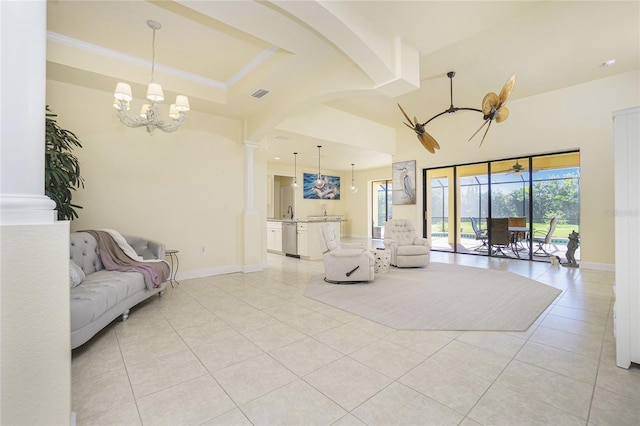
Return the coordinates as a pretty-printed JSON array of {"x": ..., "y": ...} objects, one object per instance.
[{"x": 149, "y": 114}]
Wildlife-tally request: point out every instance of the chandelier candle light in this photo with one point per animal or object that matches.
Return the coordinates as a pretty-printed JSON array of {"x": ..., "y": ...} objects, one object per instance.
[{"x": 149, "y": 114}]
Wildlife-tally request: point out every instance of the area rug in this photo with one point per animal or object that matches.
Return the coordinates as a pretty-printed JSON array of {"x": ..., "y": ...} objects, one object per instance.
[{"x": 441, "y": 297}]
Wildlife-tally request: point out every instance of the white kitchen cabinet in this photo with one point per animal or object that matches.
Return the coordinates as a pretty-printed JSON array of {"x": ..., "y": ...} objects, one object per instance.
[
  {"x": 274, "y": 236},
  {"x": 303, "y": 239}
]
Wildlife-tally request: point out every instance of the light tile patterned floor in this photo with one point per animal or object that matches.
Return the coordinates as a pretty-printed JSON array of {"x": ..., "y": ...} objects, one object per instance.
[{"x": 244, "y": 349}]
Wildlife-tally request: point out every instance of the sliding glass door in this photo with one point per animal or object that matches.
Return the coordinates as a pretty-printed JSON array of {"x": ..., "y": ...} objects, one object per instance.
[
  {"x": 382, "y": 208},
  {"x": 439, "y": 220},
  {"x": 538, "y": 196},
  {"x": 473, "y": 195}
]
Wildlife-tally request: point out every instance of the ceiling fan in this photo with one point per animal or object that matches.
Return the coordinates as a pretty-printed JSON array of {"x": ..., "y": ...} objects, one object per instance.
[
  {"x": 517, "y": 168},
  {"x": 493, "y": 108}
]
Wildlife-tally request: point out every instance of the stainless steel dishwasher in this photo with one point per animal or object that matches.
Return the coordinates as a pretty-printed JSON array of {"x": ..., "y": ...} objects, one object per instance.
[{"x": 290, "y": 239}]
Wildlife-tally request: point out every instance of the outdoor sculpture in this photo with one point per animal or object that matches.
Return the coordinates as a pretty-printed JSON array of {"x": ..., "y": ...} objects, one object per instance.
[{"x": 572, "y": 245}]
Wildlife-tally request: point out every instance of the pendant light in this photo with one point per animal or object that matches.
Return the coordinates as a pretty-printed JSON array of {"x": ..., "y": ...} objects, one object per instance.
[
  {"x": 319, "y": 182},
  {"x": 354, "y": 188},
  {"x": 295, "y": 169}
]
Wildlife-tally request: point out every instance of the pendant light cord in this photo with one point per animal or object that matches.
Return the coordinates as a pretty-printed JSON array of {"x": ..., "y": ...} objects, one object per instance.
[{"x": 153, "y": 54}]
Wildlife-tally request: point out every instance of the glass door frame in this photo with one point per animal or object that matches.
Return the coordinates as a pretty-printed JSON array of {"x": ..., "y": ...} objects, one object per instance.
[
  {"x": 454, "y": 223},
  {"x": 388, "y": 205}
]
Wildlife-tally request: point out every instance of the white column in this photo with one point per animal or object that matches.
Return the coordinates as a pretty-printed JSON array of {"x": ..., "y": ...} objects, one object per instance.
[
  {"x": 249, "y": 178},
  {"x": 35, "y": 343},
  {"x": 23, "y": 48}
]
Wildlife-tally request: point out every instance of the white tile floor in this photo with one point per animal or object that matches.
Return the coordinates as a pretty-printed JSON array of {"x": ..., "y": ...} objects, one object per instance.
[{"x": 244, "y": 349}]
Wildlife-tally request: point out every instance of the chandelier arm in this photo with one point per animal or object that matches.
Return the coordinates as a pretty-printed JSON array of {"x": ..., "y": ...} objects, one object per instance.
[
  {"x": 173, "y": 126},
  {"x": 151, "y": 120}
]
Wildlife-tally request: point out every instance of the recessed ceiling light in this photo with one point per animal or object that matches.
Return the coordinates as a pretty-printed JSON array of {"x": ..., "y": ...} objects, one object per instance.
[
  {"x": 608, "y": 63},
  {"x": 277, "y": 158}
]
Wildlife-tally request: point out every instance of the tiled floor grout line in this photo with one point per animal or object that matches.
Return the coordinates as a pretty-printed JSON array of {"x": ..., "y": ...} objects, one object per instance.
[
  {"x": 595, "y": 382},
  {"x": 290, "y": 298}
]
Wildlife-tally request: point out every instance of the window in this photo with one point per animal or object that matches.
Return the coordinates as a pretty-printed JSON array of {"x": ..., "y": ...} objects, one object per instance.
[{"x": 534, "y": 190}]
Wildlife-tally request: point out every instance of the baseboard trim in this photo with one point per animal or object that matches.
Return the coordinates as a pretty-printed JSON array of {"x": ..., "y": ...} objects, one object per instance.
[
  {"x": 609, "y": 267},
  {"x": 223, "y": 270}
]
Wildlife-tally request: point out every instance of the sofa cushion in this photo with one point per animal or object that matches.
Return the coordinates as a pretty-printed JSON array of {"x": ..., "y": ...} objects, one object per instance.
[
  {"x": 76, "y": 274},
  {"x": 101, "y": 291},
  {"x": 84, "y": 252},
  {"x": 412, "y": 250}
]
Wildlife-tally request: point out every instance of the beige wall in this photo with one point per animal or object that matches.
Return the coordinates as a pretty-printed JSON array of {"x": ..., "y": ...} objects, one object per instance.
[
  {"x": 186, "y": 188},
  {"x": 577, "y": 117}
]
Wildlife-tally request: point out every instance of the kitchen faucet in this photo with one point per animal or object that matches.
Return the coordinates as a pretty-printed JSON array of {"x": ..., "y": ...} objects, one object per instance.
[{"x": 290, "y": 210}]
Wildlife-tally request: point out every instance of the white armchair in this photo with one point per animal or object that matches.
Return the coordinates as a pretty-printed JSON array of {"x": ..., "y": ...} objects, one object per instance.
[
  {"x": 344, "y": 263},
  {"x": 407, "y": 249}
]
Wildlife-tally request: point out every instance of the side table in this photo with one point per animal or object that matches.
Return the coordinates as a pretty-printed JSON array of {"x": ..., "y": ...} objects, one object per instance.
[
  {"x": 173, "y": 254},
  {"x": 383, "y": 260}
]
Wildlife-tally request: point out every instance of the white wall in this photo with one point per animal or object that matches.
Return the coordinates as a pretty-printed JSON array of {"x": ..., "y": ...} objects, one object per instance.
[{"x": 35, "y": 342}]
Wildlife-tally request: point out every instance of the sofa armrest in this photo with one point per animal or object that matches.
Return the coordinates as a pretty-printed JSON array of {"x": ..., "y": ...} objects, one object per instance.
[
  {"x": 419, "y": 241},
  {"x": 148, "y": 249},
  {"x": 388, "y": 242},
  {"x": 352, "y": 246}
]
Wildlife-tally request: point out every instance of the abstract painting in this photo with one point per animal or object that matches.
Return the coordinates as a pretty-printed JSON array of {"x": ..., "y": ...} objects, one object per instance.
[
  {"x": 327, "y": 189},
  {"x": 404, "y": 182}
]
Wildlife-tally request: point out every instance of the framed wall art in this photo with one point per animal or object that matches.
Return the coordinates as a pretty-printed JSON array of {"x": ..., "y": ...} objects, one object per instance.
[
  {"x": 327, "y": 189},
  {"x": 404, "y": 182}
]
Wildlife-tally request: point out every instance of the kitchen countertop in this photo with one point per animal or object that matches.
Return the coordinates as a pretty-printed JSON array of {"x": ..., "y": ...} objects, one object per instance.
[{"x": 310, "y": 220}]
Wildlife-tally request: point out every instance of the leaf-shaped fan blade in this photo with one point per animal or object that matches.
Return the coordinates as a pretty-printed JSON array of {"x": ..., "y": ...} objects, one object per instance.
[
  {"x": 480, "y": 128},
  {"x": 485, "y": 132},
  {"x": 503, "y": 114},
  {"x": 505, "y": 93},
  {"x": 405, "y": 115},
  {"x": 489, "y": 101},
  {"x": 428, "y": 142}
]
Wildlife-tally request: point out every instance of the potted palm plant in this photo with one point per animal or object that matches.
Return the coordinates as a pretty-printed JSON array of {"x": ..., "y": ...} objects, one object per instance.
[{"x": 62, "y": 169}]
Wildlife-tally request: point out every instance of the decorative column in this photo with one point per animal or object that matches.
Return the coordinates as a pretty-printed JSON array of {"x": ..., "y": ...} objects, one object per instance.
[
  {"x": 249, "y": 176},
  {"x": 22, "y": 109},
  {"x": 254, "y": 228},
  {"x": 35, "y": 337}
]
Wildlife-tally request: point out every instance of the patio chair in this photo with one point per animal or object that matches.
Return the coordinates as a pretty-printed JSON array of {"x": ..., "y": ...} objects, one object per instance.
[
  {"x": 543, "y": 241},
  {"x": 499, "y": 235},
  {"x": 481, "y": 235}
]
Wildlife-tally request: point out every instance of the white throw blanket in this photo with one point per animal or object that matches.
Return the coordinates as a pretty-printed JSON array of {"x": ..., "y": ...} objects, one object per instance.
[{"x": 126, "y": 247}]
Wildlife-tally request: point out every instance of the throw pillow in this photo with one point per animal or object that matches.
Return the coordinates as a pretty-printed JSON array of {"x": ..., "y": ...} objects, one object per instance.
[{"x": 76, "y": 274}]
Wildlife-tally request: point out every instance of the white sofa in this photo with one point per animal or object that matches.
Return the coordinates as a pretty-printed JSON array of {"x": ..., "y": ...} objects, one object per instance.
[{"x": 101, "y": 296}]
